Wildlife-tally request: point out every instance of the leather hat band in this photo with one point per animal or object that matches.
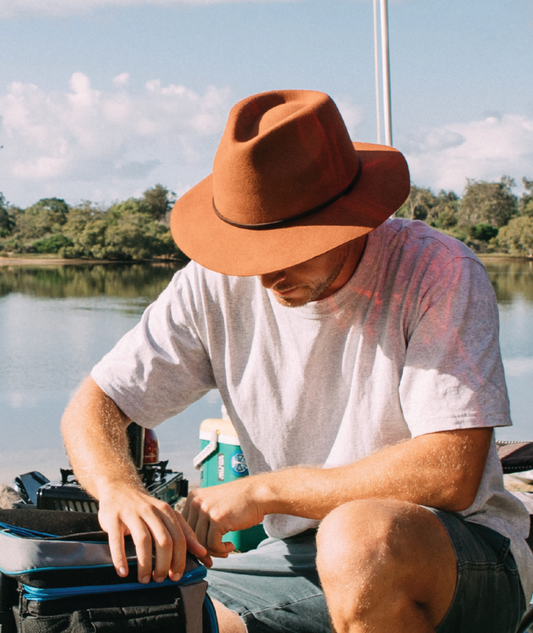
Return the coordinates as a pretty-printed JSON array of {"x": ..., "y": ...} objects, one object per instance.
[{"x": 298, "y": 216}]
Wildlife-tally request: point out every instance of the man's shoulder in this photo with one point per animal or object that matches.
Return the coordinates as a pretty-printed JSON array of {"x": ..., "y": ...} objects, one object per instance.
[
  {"x": 416, "y": 240},
  {"x": 413, "y": 255}
]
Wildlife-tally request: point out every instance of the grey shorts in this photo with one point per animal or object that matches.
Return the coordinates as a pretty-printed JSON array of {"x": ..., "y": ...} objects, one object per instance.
[{"x": 275, "y": 588}]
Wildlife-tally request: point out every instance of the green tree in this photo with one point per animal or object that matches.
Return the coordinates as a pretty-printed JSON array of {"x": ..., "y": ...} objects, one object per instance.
[
  {"x": 125, "y": 231},
  {"x": 526, "y": 201},
  {"x": 488, "y": 202},
  {"x": 45, "y": 217},
  {"x": 52, "y": 244},
  {"x": 418, "y": 205},
  {"x": 444, "y": 214},
  {"x": 6, "y": 220},
  {"x": 85, "y": 227},
  {"x": 128, "y": 230},
  {"x": 483, "y": 232},
  {"x": 517, "y": 237},
  {"x": 79, "y": 216},
  {"x": 439, "y": 211},
  {"x": 89, "y": 241},
  {"x": 159, "y": 201}
]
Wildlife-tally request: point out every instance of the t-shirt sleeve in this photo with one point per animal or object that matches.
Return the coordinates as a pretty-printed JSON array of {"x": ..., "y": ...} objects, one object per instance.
[
  {"x": 159, "y": 367},
  {"x": 453, "y": 375}
]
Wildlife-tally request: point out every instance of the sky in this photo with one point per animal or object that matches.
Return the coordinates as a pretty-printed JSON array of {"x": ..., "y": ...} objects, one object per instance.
[{"x": 102, "y": 99}]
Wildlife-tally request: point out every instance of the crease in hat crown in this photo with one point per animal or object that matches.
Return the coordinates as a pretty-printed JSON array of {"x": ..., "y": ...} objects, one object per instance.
[{"x": 282, "y": 154}]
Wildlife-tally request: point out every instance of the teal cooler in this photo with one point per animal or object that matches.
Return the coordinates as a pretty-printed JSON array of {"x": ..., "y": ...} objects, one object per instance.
[{"x": 220, "y": 461}]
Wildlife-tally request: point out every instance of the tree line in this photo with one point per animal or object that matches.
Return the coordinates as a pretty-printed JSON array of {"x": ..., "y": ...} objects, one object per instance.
[
  {"x": 135, "y": 229},
  {"x": 489, "y": 218}
]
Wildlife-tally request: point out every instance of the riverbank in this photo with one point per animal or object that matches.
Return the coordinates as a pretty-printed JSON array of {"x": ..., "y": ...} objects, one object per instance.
[
  {"x": 40, "y": 260},
  {"x": 502, "y": 257}
]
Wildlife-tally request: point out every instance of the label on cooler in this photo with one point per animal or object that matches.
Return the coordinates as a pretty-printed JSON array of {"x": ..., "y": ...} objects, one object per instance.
[
  {"x": 220, "y": 466},
  {"x": 238, "y": 464}
]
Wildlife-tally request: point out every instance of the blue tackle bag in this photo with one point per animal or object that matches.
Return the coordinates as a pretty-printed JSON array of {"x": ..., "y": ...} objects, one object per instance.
[{"x": 56, "y": 575}]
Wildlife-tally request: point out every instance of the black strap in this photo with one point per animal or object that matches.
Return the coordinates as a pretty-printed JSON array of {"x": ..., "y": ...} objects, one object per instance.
[{"x": 299, "y": 216}]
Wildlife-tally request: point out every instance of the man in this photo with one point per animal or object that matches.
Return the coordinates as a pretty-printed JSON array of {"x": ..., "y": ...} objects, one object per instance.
[{"x": 359, "y": 361}]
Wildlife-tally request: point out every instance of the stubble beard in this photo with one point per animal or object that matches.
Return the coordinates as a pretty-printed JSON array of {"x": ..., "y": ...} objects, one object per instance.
[{"x": 314, "y": 291}]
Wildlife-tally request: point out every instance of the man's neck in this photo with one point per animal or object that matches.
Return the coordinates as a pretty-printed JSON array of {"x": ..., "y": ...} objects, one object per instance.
[{"x": 355, "y": 253}]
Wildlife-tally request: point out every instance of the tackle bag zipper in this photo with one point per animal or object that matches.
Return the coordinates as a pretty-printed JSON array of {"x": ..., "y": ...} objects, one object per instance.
[{"x": 39, "y": 594}]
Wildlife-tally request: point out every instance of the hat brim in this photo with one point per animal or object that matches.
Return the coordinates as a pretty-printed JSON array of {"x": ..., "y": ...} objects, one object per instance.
[{"x": 380, "y": 190}]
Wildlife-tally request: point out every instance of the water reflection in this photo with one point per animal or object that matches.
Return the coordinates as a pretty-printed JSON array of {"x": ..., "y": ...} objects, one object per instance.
[
  {"x": 511, "y": 279},
  {"x": 56, "y": 322},
  {"x": 111, "y": 280},
  {"x": 513, "y": 284}
]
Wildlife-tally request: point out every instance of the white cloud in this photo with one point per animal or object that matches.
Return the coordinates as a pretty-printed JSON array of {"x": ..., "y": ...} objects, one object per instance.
[
  {"x": 102, "y": 145},
  {"x": 484, "y": 150},
  {"x": 352, "y": 114},
  {"x": 122, "y": 80},
  {"x": 86, "y": 143},
  {"x": 37, "y": 8}
]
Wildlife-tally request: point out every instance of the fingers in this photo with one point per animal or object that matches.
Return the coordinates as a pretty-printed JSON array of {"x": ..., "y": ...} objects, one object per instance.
[
  {"x": 160, "y": 535},
  {"x": 168, "y": 544},
  {"x": 142, "y": 539},
  {"x": 193, "y": 545},
  {"x": 117, "y": 547},
  {"x": 148, "y": 532},
  {"x": 210, "y": 533},
  {"x": 206, "y": 529},
  {"x": 186, "y": 512},
  {"x": 214, "y": 543}
]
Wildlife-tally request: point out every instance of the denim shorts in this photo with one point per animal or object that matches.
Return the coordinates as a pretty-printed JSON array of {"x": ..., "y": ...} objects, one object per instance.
[{"x": 275, "y": 588}]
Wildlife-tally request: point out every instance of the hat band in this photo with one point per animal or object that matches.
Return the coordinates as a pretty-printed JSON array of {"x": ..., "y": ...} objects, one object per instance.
[{"x": 298, "y": 216}]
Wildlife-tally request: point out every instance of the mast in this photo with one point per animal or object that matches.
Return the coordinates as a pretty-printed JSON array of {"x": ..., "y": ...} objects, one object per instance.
[
  {"x": 385, "y": 59},
  {"x": 376, "y": 68}
]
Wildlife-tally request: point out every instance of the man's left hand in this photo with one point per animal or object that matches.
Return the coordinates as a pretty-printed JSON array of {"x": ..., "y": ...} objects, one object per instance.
[{"x": 213, "y": 512}]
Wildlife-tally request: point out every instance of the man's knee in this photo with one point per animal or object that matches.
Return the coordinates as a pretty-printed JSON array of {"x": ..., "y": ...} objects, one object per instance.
[
  {"x": 364, "y": 532},
  {"x": 371, "y": 550}
]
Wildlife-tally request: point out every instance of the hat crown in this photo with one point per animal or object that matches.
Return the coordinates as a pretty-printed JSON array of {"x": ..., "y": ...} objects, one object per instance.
[{"x": 281, "y": 154}]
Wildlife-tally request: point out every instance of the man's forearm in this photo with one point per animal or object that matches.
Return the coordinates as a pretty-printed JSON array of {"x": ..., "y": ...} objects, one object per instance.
[
  {"x": 95, "y": 435},
  {"x": 441, "y": 470},
  {"x": 94, "y": 431}
]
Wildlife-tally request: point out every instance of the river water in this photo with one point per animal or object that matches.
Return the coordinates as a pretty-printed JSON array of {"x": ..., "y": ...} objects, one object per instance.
[{"x": 56, "y": 322}]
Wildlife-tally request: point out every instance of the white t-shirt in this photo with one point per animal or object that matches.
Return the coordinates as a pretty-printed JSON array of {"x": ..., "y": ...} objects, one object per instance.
[{"x": 408, "y": 346}]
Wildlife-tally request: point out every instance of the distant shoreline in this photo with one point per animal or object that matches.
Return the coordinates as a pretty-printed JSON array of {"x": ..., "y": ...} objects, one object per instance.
[
  {"x": 43, "y": 261},
  {"x": 503, "y": 257},
  {"x": 25, "y": 261}
]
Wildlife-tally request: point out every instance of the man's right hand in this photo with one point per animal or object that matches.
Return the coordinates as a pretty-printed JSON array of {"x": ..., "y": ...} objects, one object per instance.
[{"x": 154, "y": 527}]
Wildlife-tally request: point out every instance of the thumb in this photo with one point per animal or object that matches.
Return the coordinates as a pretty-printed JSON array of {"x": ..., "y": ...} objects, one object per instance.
[{"x": 218, "y": 547}]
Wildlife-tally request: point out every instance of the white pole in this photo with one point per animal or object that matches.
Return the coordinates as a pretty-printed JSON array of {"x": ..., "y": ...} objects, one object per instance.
[
  {"x": 386, "y": 72},
  {"x": 376, "y": 68}
]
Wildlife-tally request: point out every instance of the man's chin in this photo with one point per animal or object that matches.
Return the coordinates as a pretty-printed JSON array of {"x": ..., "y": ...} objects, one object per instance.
[{"x": 291, "y": 301}]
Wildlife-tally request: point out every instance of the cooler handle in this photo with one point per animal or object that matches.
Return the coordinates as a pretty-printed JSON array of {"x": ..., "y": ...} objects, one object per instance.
[{"x": 207, "y": 451}]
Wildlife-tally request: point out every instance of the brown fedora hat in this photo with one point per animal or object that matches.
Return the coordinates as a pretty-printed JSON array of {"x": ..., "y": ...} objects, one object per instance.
[{"x": 287, "y": 185}]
